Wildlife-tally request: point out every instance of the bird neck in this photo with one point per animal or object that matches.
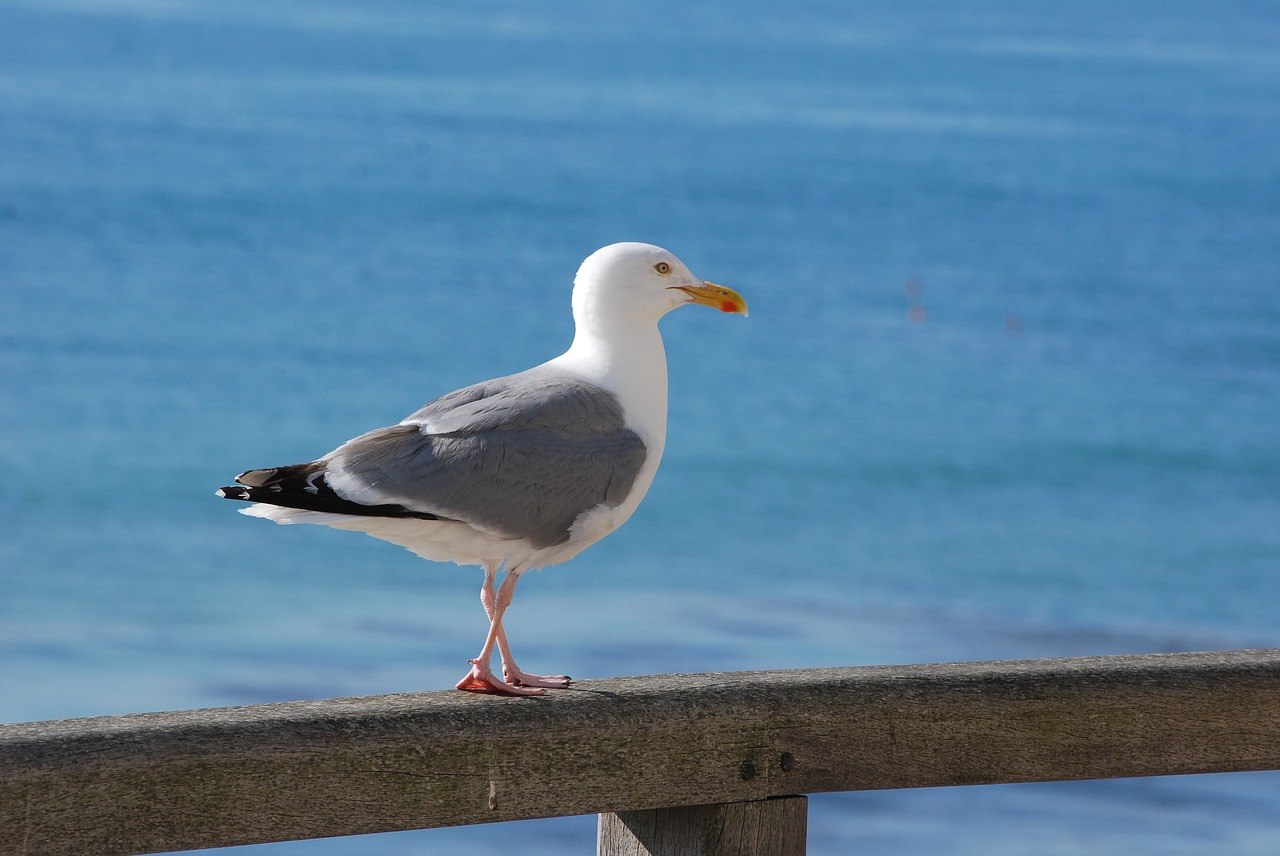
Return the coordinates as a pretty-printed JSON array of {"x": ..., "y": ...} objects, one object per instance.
[{"x": 629, "y": 361}]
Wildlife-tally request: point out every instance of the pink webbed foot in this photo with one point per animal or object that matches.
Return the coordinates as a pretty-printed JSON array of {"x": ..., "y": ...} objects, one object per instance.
[
  {"x": 482, "y": 680},
  {"x": 515, "y": 677}
]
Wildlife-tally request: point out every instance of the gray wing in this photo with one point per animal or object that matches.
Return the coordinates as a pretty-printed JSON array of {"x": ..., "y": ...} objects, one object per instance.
[{"x": 522, "y": 455}]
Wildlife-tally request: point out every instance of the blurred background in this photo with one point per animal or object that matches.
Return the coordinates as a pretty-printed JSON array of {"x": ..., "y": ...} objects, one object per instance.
[{"x": 1010, "y": 386}]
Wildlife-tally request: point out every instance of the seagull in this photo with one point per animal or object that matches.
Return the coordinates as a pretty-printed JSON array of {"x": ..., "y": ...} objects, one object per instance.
[{"x": 520, "y": 472}]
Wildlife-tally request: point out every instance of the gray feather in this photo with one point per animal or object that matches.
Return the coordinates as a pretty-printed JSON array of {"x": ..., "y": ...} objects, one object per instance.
[{"x": 522, "y": 455}]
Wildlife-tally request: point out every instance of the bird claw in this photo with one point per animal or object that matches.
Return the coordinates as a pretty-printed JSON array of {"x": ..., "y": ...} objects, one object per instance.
[
  {"x": 517, "y": 678},
  {"x": 482, "y": 680}
]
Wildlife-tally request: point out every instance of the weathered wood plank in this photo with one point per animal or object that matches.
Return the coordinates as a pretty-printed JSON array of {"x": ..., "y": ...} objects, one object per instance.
[
  {"x": 181, "y": 780},
  {"x": 772, "y": 827}
]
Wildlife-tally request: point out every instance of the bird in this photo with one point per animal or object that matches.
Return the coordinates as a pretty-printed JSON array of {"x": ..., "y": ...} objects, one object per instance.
[{"x": 519, "y": 472}]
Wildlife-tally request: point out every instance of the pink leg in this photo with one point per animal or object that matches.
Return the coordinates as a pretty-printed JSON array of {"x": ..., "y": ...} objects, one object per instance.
[
  {"x": 512, "y": 672},
  {"x": 481, "y": 677}
]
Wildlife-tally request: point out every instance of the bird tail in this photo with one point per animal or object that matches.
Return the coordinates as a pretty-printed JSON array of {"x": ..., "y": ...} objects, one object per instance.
[
  {"x": 303, "y": 486},
  {"x": 292, "y": 486}
]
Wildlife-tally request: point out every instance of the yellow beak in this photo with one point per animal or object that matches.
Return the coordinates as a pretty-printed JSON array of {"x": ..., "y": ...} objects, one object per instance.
[{"x": 715, "y": 296}]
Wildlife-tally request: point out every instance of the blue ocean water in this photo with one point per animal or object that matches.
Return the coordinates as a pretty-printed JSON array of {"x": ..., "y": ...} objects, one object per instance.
[{"x": 1010, "y": 386}]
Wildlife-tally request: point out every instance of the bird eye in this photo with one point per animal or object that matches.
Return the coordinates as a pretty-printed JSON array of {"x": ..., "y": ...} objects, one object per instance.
[{"x": 662, "y": 268}]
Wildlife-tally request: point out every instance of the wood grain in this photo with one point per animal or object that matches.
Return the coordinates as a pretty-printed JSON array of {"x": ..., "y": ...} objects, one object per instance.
[
  {"x": 182, "y": 780},
  {"x": 772, "y": 827}
]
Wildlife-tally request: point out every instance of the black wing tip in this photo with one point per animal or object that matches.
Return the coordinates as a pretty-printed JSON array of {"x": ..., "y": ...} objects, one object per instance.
[
  {"x": 323, "y": 500},
  {"x": 274, "y": 475}
]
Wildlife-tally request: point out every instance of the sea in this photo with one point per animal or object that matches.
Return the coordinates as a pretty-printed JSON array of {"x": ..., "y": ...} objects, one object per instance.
[{"x": 1009, "y": 388}]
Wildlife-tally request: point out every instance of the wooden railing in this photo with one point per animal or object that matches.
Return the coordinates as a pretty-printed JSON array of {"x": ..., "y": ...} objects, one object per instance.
[{"x": 676, "y": 764}]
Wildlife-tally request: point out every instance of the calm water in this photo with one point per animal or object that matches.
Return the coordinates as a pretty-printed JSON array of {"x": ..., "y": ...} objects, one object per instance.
[{"x": 1010, "y": 386}]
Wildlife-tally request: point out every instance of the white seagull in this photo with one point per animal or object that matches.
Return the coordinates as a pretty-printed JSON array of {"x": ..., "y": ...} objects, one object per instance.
[{"x": 520, "y": 472}]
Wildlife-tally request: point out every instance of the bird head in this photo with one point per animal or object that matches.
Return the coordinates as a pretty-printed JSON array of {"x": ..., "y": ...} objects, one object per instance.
[{"x": 633, "y": 282}]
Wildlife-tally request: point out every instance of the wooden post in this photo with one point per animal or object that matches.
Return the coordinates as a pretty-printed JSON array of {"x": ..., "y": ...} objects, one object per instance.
[{"x": 772, "y": 827}]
